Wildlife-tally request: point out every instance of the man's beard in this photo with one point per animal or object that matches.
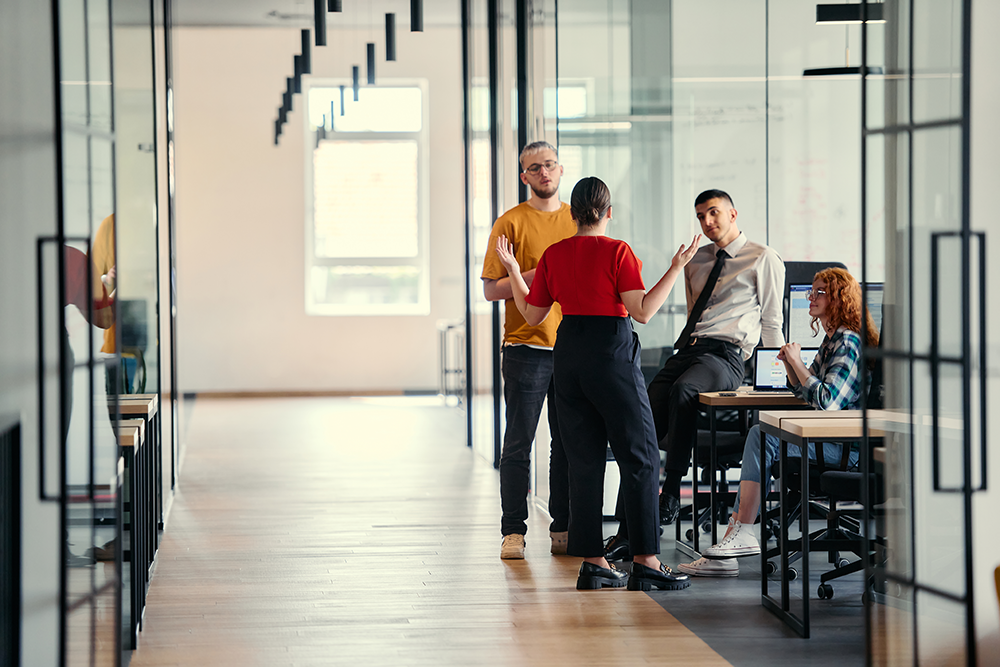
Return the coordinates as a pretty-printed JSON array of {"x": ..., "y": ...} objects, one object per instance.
[{"x": 548, "y": 193}]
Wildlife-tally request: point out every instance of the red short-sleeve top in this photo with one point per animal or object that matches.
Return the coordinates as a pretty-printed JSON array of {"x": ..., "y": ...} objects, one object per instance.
[{"x": 586, "y": 275}]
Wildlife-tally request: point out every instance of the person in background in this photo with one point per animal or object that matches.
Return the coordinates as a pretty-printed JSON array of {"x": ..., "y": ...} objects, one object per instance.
[
  {"x": 527, "y": 351},
  {"x": 832, "y": 382},
  {"x": 600, "y": 391},
  {"x": 734, "y": 290}
]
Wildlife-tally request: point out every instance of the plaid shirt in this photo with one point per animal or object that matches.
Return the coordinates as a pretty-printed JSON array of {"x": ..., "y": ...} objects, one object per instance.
[{"x": 836, "y": 373}]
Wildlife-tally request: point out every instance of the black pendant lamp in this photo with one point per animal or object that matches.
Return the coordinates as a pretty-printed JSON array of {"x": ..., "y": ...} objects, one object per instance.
[
  {"x": 849, "y": 13},
  {"x": 416, "y": 15},
  {"x": 356, "y": 75},
  {"x": 319, "y": 18},
  {"x": 306, "y": 53},
  {"x": 371, "y": 63},
  {"x": 390, "y": 37}
]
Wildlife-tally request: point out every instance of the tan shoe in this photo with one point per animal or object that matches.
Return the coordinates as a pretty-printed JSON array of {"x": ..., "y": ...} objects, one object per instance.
[
  {"x": 559, "y": 542},
  {"x": 512, "y": 547}
]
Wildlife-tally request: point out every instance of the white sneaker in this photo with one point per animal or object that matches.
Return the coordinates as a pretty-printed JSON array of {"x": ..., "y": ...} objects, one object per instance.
[
  {"x": 559, "y": 542},
  {"x": 512, "y": 547},
  {"x": 740, "y": 542},
  {"x": 704, "y": 567}
]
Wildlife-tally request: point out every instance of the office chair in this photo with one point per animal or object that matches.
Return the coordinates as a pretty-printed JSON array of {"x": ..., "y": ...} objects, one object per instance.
[{"x": 846, "y": 486}]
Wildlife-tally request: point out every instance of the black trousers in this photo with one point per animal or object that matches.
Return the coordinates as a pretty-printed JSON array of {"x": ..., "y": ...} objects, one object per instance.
[
  {"x": 602, "y": 400},
  {"x": 528, "y": 380},
  {"x": 708, "y": 365}
]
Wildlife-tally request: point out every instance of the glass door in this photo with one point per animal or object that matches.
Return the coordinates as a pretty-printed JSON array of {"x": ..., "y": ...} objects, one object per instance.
[
  {"x": 915, "y": 161},
  {"x": 84, "y": 449}
]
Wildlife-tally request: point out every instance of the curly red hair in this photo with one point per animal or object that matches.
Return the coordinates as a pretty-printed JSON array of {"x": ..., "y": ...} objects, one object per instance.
[{"x": 845, "y": 307}]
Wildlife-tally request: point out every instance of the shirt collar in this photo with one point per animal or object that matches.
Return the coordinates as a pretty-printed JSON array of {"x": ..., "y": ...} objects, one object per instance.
[{"x": 734, "y": 248}]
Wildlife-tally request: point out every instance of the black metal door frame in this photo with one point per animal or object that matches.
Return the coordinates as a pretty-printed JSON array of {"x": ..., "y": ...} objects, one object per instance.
[{"x": 904, "y": 132}]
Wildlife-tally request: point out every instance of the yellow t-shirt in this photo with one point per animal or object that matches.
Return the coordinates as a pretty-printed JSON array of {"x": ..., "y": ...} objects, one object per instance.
[
  {"x": 102, "y": 254},
  {"x": 530, "y": 231}
]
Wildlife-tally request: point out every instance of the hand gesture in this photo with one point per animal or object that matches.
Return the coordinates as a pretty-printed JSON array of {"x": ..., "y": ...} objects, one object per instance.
[
  {"x": 506, "y": 253},
  {"x": 684, "y": 255},
  {"x": 789, "y": 351}
]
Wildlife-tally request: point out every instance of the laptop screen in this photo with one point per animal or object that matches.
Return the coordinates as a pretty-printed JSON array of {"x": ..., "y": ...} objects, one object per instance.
[{"x": 769, "y": 371}]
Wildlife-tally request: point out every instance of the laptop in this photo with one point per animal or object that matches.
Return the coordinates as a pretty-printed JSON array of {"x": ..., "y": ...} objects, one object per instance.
[{"x": 769, "y": 372}]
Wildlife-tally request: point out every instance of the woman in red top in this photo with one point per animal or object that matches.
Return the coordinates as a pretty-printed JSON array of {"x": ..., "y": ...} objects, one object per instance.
[{"x": 600, "y": 392}]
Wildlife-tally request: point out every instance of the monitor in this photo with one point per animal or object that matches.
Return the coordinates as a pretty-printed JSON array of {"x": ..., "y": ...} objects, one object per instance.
[
  {"x": 799, "y": 330},
  {"x": 873, "y": 298}
]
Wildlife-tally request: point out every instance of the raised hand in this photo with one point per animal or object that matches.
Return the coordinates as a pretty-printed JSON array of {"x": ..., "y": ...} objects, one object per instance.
[
  {"x": 505, "y": 251},
  {"x": 684, "y": 255}
]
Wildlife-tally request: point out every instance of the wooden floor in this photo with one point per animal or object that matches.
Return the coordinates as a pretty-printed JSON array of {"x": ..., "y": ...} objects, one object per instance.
[{"x": 320, "y": 531}]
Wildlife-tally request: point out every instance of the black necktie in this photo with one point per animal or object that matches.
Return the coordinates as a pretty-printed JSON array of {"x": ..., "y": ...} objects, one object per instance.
[{"x": 699, "y": 305}]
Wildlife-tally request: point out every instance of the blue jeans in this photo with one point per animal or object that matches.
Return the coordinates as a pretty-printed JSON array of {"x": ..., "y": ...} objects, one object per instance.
[
  {"x": 750, "y": 468},
  {"x": 527, "y": 375}
]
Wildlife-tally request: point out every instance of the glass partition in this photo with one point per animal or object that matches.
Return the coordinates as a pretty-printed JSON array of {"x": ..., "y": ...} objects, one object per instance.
[
  {"x": 481, "y": 208},
  {"x": 91, "y": 592}
]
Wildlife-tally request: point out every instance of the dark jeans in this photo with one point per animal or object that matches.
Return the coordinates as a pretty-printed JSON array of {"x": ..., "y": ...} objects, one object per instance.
[
  {"x": 708, "y": 365},
  {"x": 527, "y": 376},
  {"x": 602, "y": 400}
]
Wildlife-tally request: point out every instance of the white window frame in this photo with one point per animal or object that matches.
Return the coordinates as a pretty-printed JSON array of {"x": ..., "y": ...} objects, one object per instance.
[{"x": 422, "y": 260}]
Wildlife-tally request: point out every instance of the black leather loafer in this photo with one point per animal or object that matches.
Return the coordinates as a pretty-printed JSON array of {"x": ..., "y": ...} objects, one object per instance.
[
  {"x": 670, "y": 507},
  {"x": 594, "y": 576},
  {"x": 645, "y": 578},
  {"x": 616, "y": 548}
]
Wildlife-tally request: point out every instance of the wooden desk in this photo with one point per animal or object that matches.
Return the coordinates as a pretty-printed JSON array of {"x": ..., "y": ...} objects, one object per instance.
[
  {"x": 745, "y": 399},
  {"x": 147, "y": 407},
  {"x": 136, "y": 503},
  {"x": 802, "y": 431}
]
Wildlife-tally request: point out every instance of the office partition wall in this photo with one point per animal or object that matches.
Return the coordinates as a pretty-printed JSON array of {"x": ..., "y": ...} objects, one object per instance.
[{"x": 916, "y": 206}]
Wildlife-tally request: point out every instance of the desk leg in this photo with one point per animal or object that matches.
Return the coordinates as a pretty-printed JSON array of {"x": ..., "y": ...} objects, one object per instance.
[
  {"x": 765, "y": 482},
  {"x": 804, "y": 539},
  {"x": 695, "y": 531},
  {"x": 154, "y": 430},
  {"x": 713, "y": 460},
  {"x": 133, "y": 542},
  {"x": 783, "y": 520}
]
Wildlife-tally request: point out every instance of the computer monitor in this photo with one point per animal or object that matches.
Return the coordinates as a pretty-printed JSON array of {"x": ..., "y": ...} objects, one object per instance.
[
  {"x": 799, "y": 330},
  {"x": 874, "y": 301}
]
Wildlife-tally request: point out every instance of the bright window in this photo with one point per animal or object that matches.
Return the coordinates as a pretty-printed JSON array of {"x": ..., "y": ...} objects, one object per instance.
[{"x": 366, "y": 201}]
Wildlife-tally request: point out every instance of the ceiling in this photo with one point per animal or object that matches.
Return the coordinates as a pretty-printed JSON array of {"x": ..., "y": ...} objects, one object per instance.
[{"x": 299, "y": 13}]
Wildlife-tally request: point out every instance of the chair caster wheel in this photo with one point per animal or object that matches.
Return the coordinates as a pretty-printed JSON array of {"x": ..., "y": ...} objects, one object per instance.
[
  {"x": 689, "y": 535},
  {"x": 770, "y": 568},
  {"x": 825, "y": 592},
  {"x": 843, "y": 562},
  {"x": 706, "y": 528},
  {"x": 792, "y": 574}
]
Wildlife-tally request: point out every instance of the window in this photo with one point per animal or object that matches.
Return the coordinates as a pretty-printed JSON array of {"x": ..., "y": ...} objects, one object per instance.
[{"x": 366, "y": 205}]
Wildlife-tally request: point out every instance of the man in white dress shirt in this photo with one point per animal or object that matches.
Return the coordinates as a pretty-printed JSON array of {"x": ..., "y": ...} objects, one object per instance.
[{"x": 741, "y": 306}]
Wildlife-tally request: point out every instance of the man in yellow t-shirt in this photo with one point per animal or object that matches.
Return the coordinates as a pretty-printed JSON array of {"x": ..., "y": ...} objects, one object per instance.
[{"x": 527, "y": 351}]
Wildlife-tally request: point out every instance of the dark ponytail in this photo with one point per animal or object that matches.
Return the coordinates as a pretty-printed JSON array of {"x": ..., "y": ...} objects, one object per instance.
[{"x": 590, "y": 201}]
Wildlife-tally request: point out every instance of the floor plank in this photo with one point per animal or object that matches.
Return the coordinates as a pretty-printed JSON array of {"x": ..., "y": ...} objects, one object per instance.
[{"x": 318, "y": 531}]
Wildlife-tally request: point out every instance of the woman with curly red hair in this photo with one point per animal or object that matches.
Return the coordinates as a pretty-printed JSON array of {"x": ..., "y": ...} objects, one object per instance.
[{"x": 834, "y": 381}]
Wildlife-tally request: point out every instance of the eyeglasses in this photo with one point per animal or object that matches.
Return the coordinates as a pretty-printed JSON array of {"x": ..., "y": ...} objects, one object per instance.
[
  {"x": 814, "y": 294},
  {"x": 549, "y": 166}
]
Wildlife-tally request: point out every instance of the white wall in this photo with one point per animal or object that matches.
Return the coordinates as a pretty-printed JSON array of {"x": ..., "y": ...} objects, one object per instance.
[
  {"x": 985, "y": 176},
  {"x": 240, "y": 218},
  {"x": 27, "y": 211}
]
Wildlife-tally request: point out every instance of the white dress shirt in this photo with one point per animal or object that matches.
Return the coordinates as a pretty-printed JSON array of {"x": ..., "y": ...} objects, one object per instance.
[{"x": 745, "y": 306}]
